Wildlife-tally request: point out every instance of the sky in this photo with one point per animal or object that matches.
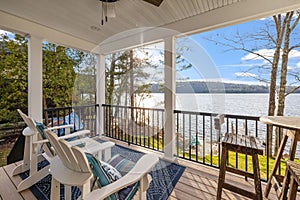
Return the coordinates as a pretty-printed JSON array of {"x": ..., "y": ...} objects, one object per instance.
[{"x": 232, "y": 65}]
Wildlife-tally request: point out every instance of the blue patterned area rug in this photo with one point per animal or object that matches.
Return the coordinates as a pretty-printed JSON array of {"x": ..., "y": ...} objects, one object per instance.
[{"x": 165, "y": 175}]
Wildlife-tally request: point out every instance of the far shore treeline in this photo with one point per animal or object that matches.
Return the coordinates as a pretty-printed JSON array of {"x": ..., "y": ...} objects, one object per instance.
[{"x": 215, "y": 87}]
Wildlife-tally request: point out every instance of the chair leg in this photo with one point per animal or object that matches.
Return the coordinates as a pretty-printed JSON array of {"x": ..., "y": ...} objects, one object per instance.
[
  {"x": 107, "y": 154},
  {"x": 33, "y": 178},
  {"x": 222, "y": 173},
  {"x": 68, "y": 192},
  {"x": 286, "y": 179},
  {"x": 256, "y": 177},
  {"x": 276, "y": 165},
  {"x": 85, "y": 189},
  {"x": 55, "y": 189},
  {"x": 293, "y": 190}
]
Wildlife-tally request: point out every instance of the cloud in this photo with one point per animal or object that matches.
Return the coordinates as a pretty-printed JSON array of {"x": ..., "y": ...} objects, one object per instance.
[
  {"x": 242, "y": 65},
  {"x": 265, "y": 52},
  {"x": 269, "y": 53},
  {"x": 244, "y": 74},
  {"x": 294, "y": 54}
]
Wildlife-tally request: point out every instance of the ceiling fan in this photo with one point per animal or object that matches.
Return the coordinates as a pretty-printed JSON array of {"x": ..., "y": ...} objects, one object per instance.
[
  {"x": 153, "y": 2},
  {"x": 108, "y": 8}
]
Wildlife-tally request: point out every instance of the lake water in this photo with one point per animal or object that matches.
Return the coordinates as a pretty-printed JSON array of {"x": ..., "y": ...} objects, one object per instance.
[{"x": 239, "y": 104}]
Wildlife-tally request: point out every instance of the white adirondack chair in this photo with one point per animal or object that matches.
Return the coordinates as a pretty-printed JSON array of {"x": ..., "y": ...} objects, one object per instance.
[
  {"x": 71, "y": 168},
  {"x": 32, "y": 156}
]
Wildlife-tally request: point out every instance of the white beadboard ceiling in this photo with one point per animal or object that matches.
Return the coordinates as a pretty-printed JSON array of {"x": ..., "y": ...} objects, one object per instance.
[{"x": 76, "y": 17}]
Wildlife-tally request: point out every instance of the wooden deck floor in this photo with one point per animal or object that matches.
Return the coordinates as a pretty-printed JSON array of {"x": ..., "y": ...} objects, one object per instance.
[{"x": 197, "y": 182}]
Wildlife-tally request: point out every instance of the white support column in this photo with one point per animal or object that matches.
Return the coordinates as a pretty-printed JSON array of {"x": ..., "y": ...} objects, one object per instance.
[
  {"x": 169, "y": 87},
  {"x": 100, "y": 93},
  {"x": 35, "y": 80}
]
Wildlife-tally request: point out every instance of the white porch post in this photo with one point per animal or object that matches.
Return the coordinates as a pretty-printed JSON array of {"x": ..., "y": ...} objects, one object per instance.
[
  {"x": 35, "y": 80},
  {"x": 100, "y": 93},
  {"x": 169, "y": 87}
]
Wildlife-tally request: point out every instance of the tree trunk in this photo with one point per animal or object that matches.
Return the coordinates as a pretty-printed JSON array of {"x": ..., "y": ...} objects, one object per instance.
[
  {"x": 272, "y": 92},
  {"x": 131, "y": 88},
  {"x": 283, "y": 76},
  {"x": 111, "y": 84}
]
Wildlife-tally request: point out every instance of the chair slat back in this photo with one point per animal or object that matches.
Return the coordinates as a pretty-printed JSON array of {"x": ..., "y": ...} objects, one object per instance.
[
  {"x": 71, "y": 157},
  {"x": 81, "y": 158},
  {"x": 32, "y": 125},
  {"x": 29, "y": 121},
  {"x": 67, "y": 149},
  {"x": 53, "y": 139}
]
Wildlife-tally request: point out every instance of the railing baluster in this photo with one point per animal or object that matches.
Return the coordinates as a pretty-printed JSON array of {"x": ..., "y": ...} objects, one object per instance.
[
  {"x": 158, "y": 130},
  {"x": 183, "y": 135},
  {"x": 148, "y": 125},
  {"x": 204, "y": 138},
  {"x": 211, "y": 139},
  {"x": 236, "y": 154},
  {"x": 196, "y": 138},
  {"x": 190, "y": 137},
  {"x": 177, "y": 133},
  {"x": 246, "y": 133},
  {"x": 163, "y": 130}
]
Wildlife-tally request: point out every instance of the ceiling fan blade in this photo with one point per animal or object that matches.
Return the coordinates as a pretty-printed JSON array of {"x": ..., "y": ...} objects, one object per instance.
[{"x": 154, "y": 2}]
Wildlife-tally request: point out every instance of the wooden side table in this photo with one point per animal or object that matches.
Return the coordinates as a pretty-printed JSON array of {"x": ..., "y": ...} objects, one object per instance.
[
  {"x": 246, "y": 145},
  {"x": 292, "y": 126}
]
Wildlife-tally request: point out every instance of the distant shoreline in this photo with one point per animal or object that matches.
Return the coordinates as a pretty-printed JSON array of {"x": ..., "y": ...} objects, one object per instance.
[{"x": 200, "y": 87}]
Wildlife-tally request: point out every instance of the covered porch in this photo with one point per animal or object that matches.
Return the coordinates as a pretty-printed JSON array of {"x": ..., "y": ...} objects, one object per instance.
[{"x": 137, "y": 23}]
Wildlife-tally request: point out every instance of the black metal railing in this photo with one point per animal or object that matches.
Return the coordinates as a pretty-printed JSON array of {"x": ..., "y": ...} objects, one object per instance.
[
  {"x": 135, "y": 125},
  {"x": 198, "y": 133},
  {"x": 82, "y": 117},
  {"x": 199, "y": 139}
]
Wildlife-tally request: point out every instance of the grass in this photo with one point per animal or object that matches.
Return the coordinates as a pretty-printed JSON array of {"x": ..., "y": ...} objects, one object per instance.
[
  {"x": 243, "y": 160},
  {"x": 233, "y": 157},
  {"x": 149, "y": 142}
]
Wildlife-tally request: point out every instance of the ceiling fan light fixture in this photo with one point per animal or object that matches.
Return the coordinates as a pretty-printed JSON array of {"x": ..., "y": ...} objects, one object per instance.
[
  {"x": 108, "y": 8},
  {"x": 111, "y": 10}
]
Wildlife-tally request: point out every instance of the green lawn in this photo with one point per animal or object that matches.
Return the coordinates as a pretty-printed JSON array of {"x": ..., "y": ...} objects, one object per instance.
[
  {"x": 214, "y": 159},
  {"x": 242, "y": 162}
]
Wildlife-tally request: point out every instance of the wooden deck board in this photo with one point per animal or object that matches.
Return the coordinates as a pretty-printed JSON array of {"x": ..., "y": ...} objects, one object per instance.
[
  {"x": 197, "y": 182},
  {"x": 26, "y": 194},
  {"x": 8, "y": 189}
]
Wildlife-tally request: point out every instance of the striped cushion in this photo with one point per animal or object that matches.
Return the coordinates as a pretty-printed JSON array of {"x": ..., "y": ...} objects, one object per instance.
[
  {"x": 112, "y": 172},
  {"x": 107, "y": 174},
  {"x": 122, "y": 164},
  {"x": 40, "y": 127},
  {"x": 100, "y": 175}
]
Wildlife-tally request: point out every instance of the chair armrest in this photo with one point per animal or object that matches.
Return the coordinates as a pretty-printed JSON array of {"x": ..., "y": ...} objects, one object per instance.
[
  {"x": 141, "y": 169},
  {"x": 76, "y": 134},
  {"x": 67, "y": 128},
  {"x": 79, "y": 133},
  {"x": 61, "y": 126},
  {"x": 40, "y": 142}
]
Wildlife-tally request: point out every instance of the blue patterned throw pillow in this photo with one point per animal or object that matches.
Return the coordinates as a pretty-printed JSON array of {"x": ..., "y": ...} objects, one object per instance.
[
  {"x": 112, "y": 172},
  {"x": 122, "y": 164},
  {"x": 105, "y": 174}
]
